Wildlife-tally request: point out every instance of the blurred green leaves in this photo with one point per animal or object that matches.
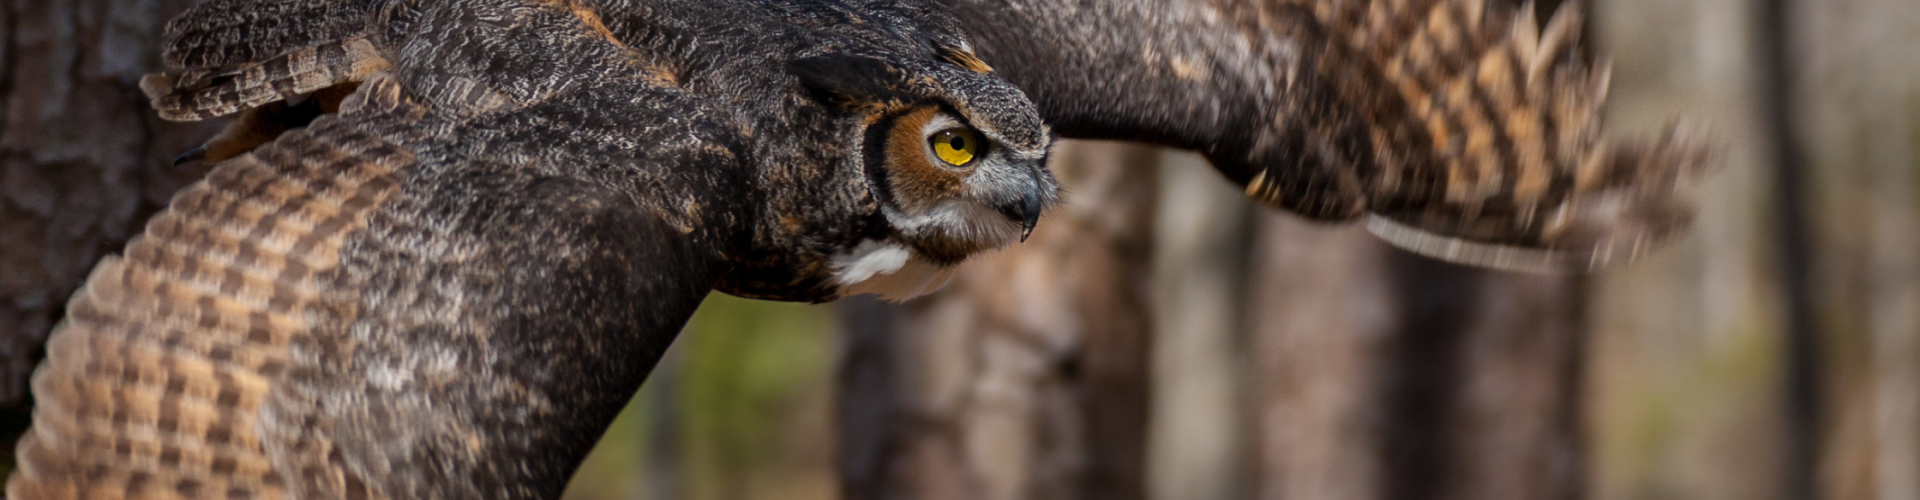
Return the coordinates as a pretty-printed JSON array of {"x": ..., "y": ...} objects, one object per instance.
[
  {"x": 738, "y": 410},
  {"x": 748, "y": 364}
]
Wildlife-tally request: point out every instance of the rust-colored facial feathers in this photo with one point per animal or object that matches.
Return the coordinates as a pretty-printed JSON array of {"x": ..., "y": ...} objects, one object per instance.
[{"x": 916, "y": 177}]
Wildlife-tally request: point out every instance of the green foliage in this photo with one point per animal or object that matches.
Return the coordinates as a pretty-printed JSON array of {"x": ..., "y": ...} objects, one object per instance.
[
  {"x": 743, "y": 393},
  {"x": 747, "y": 362}
]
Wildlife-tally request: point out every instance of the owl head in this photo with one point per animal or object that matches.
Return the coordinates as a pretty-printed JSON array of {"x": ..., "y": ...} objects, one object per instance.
[{"x": 954, "y": 156}]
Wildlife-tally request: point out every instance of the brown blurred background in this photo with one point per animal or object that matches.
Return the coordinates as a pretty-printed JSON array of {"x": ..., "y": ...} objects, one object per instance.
[{"x": 1161, "y": 339}]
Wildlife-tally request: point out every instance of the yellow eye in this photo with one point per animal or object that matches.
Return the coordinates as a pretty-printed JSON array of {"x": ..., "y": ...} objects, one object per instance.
[{"x": 956, "y": 146}]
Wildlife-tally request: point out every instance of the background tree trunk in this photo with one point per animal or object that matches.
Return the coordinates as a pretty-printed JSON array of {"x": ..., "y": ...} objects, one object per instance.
[
  {"x": 1196, "y": 439},
  {"x": 1392, "y": 376},
  {"x": 1027, "y": 377},
  {"x": 1858, "y": 75},
  {"x": 1319, "y": 357}
]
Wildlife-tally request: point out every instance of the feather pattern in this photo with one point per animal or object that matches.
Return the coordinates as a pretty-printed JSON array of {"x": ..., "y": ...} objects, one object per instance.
[
  {"x": 153, "y": 385},
  {"x": 221, "y": 33},
  {"x": 1465, "y": 130},
  {"x": 202, "y": 93},
  {"x": 1514, "y": 155}
]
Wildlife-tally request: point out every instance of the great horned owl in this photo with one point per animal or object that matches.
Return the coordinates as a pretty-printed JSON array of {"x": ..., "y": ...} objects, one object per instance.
[{"x": 449, "y": 238}]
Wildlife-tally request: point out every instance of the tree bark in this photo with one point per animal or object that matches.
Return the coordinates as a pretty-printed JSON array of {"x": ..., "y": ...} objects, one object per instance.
[
  {"x": 1384, "y": 375},
  {"x": 1027, "y": 377},
  {"x": 1319, "y": 352}
]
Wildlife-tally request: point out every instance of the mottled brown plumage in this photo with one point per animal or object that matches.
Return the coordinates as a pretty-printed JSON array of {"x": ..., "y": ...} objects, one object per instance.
[
  {"x": 201, "y": 93},
  {"x": 447, "y": 286},
  {"x": 153, "y": 387}
]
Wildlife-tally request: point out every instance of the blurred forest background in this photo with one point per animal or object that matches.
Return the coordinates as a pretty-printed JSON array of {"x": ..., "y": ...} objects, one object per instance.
[{"x": 1160, "y": 338}]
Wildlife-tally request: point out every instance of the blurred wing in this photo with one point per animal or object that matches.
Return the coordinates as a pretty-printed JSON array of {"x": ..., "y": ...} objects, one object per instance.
[
  {"x": 1501, "y": 158},
  {"x": 223, "y": 356},
  {"x": 1461, "y": 129}
]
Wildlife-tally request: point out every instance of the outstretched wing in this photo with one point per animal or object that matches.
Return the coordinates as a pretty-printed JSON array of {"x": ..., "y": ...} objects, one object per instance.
[
  {"x": 345, "y": 310},
  {"x": 153, "y": 386},
  {"x": 1460, "y": 129}
]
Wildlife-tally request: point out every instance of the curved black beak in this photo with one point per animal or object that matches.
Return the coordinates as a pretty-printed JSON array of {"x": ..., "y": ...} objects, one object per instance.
[{"x": 1025, "y": 211}]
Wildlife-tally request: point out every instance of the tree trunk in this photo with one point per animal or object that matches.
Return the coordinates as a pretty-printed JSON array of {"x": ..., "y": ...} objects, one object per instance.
[
  {"x": 1859, "y": 81},
  {"x": 1319, "y": 355},
  {"x": 1384, "y": 375},
  {"x": 1027, "y": 377},
  {"x": 83, "y": 160},
  {"x": 1195, "y": 447}
]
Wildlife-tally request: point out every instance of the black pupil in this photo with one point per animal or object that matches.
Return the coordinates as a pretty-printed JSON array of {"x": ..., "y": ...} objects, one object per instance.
[{"x": 957, "y": 142}]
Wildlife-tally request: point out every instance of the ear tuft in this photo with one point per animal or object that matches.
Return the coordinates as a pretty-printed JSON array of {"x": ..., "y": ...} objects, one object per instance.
[{"x": 849, "y": 78}]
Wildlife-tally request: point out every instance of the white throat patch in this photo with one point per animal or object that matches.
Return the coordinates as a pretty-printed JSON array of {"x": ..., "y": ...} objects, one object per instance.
[{"x": 889, "y": 270}]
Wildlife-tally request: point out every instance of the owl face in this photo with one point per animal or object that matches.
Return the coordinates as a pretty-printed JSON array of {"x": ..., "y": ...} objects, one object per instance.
[
  {"x": 954, "y": 157},
  {"x": 950, "y": 189}
]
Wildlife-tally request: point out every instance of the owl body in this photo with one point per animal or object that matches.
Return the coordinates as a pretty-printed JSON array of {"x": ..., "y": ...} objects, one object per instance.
[
  {"x": 447, "y": 283},
  {"x": 722, "y": 64}
]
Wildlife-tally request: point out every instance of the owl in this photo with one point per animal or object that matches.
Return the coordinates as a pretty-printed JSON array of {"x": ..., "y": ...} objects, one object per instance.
[{"x": 447, "y": 239}]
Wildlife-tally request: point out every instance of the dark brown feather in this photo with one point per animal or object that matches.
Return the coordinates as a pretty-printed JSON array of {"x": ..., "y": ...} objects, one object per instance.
[{"x": 201, "y": 93}]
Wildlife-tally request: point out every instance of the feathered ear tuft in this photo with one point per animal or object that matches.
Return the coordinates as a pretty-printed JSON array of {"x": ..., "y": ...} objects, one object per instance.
[{"x": 850, "y": 79}]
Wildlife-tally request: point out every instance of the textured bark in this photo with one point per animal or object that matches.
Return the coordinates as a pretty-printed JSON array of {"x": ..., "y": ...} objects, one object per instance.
[
  {"x": 1027, "y": 377},
  {"x": 1318, "y": 356},
  {"x": 83, "y": 160},
  {"x": 1398, "y": 377}
]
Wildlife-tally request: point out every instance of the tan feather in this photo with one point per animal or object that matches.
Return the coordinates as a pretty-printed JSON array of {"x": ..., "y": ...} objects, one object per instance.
[
  {"x": 1498, "y": 145},
  {"x": 152, "y": 388}
]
